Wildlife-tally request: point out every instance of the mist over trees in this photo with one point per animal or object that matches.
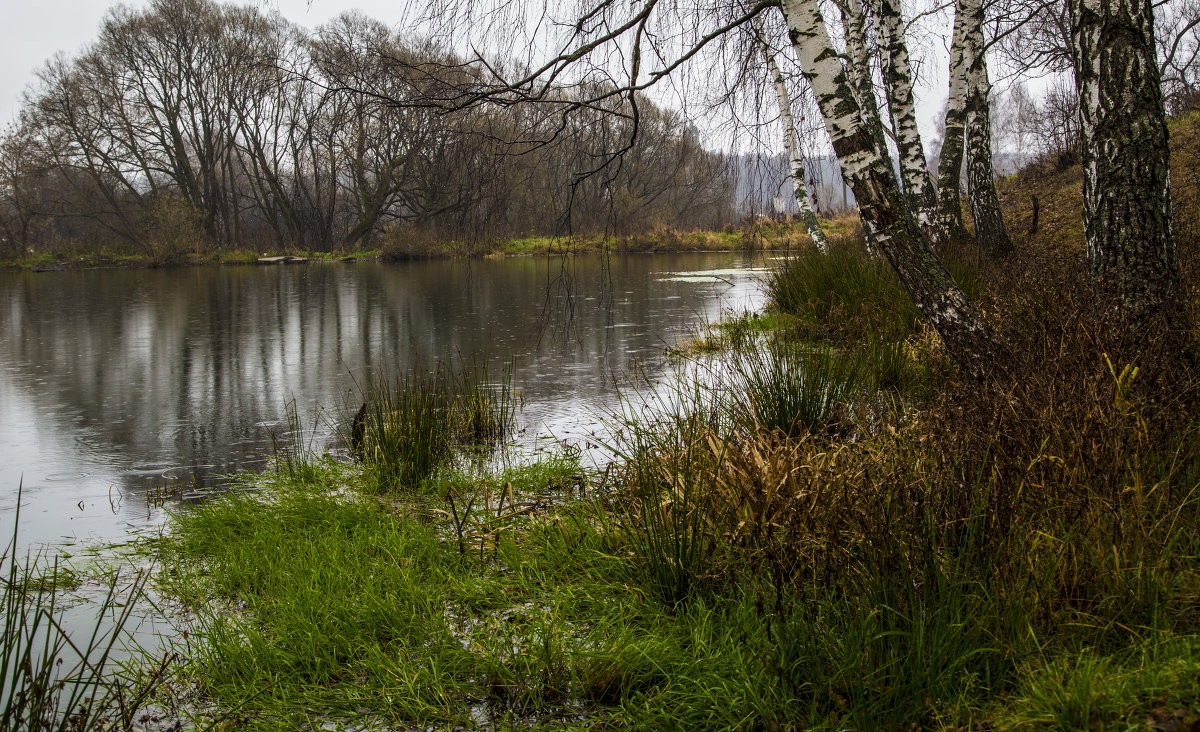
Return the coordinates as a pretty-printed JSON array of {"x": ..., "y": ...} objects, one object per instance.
[{"x": 191, "y": 124}]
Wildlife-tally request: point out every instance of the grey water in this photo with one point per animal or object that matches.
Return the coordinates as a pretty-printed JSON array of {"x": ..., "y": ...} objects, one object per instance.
[{"x": 117, "y": 383}]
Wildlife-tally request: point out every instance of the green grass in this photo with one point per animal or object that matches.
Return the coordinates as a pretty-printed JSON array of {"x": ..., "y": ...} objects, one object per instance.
[
  {"x": 844, "y": 290},
  {"x": 316, "y": 604},
  {"x": 349, "y": 611},
  {"x": 1153, "y": 683},
  {"x": 415, "y": 422}
]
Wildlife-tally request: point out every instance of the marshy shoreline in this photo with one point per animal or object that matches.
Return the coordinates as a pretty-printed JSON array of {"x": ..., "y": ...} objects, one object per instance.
[{"x": 839, "y": 532}]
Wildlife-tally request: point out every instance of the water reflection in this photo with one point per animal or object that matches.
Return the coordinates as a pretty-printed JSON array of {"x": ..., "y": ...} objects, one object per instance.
[{"x": 113, "y": 382}]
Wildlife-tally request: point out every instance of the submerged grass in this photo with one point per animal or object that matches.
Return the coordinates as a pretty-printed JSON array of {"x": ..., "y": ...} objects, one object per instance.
[
  {"x": 50, "y": 677},
  {"x": 413, "y": 422}
]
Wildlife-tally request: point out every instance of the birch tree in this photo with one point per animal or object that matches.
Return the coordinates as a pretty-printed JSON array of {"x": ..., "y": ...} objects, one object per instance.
[
  {"x": 882, "y": 206},
  {"x": 953, "y": 139},
  {"x": 791, "y": 141},
  {"x": 857, "y": 62},
  {"x": 852, "y": 128},
  {"x": 898, "y": 85},
  {"x": 990, "y": 232},
  {"x": 1127, "y": 212}
]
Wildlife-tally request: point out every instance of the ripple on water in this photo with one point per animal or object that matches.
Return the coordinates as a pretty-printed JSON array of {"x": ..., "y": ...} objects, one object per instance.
[
  {"x": 65, "y": 477},
  {"x": 149, "y": 469}
]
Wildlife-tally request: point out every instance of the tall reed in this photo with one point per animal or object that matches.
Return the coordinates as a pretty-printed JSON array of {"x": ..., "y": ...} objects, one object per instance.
[
  {"x": 842, "y": 291},
  {"x": 295, "y": 458},
  {"x": 665, "y": 484},
  {"x": 415, "y": 421},
  {"x": 794, "y": 389}
]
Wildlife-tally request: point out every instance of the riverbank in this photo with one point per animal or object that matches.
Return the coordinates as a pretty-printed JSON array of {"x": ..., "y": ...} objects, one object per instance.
[
  {"x": 402, "y": 245},
  {"x": 837, "y": 532},
  {"x": 824, "y": 526}
]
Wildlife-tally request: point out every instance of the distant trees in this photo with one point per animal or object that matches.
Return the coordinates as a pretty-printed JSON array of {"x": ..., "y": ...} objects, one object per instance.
[{"x": 229, "y": 126}]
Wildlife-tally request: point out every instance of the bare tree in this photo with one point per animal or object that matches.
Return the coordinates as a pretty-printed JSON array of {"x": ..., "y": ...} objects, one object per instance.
[{"x": 1177, "y": 26}]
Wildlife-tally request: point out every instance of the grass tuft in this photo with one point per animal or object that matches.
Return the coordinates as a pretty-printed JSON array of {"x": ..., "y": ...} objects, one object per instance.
[{"x": 414, "y": 422}]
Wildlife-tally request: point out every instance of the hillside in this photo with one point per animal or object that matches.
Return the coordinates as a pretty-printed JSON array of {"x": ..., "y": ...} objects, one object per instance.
[{"x": 1058, "y": 185}]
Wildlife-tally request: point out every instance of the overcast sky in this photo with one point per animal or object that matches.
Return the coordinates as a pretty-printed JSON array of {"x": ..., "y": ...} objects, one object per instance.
[{"x": 32, "y": 31}]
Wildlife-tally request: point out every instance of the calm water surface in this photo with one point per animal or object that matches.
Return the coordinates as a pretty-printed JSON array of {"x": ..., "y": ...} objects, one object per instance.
[{"x": 115, "y": 383}]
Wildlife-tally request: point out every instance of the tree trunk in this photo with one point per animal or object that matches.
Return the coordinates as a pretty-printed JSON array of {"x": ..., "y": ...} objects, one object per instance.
[
  {"x": 990, "y": 232},
  {"x": 961, "y": 326},
  {"x": 1127, "y": 212},
  {"x": 862, "y": 86},
  {"x": 791, "y": 142},
  {"x": 950, "y": 164},
  {"x": 897, "y": 80}
]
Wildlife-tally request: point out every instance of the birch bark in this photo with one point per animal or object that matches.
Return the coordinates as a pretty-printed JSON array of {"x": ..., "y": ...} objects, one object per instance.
[
  {"x": 990, "y": 232},
  {"x": 882, "y": 206},
  {"x": 950, "y": 164},
  {"x": 858, "y": 63},
  {"x": 791, "y": 143},
  {"x": 897, "y": 80},
  {"x": 1127, "y": 210},
  {"x": 862, "y": 85}
]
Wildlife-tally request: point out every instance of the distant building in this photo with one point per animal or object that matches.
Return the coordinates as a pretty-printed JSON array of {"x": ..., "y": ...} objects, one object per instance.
[{"x": 763, "y": 185}]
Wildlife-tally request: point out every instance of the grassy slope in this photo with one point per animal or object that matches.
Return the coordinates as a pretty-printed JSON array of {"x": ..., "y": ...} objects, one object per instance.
[{"x": 1059, "y": 188}]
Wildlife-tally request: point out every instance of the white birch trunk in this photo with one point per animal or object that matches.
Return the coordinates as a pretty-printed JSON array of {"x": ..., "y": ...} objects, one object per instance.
[
  {"x": 858, "y": 63},
  {"x": 990, "y": 231},
  {"x": 791, "y": 142},
  {"x": 897, "y": 81},
  {"x": 950, "y": 164},
  {"x": 862, "y": 84},
  {"x": 882, "y": 207},
  {"x": 1127, "y": 210}
]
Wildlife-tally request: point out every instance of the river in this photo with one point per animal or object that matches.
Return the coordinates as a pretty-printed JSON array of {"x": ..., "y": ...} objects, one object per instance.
[{"x": 116, "y": 384}]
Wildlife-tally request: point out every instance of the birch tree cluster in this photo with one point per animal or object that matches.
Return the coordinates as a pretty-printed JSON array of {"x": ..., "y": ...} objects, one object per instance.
[
  {"x": 191, "y": 124},
  {"x": 1124, "y": 60}
]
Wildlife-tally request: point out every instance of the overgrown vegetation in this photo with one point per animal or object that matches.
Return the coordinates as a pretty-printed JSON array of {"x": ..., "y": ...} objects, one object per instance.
[
  {"x": 833, "y": 529},
  {"x": 838, "y": 532},
  {"x": 414, "y": 421}
]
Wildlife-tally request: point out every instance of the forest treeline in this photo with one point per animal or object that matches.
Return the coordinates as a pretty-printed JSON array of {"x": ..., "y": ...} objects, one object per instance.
[{"x": 190, "y": 126}]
